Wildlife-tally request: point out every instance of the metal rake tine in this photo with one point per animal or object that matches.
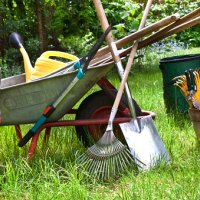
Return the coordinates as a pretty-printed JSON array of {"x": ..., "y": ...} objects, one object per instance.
[
  {"x": 126, "y": 162},
  {"x": 122, "y": 162},
  {"x": 84, "y": 159},
  {"x": 92, "y": 148},
  {"x": 107, "y": 170},
  {"x": 123, "y": 155},
  {"x": 110, "y": 167},
  {"x": 139, "y": 161},
  {"x": 87, "y": 164},
  {"x": 80, "y": 158},
  {"x": 98, "y": 166},
  {"x": 122, "y": 167},
  {"x": 92, "y": 166},
  {"x": 97, "y": 172},
  {"x": 103, "y": 170},
  {"x": 100, "y": 169},
  {"x": 128, "y": 156},
  {"x": 84, "y": 163},
  {"x": 113, "y": 165},
  {"x": 118, "y": 165},
  {"x": 98, "y": 150}
]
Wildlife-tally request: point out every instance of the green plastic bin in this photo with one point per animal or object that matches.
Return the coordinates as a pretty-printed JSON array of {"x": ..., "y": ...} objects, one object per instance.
[{"x": 172, "y": 67}]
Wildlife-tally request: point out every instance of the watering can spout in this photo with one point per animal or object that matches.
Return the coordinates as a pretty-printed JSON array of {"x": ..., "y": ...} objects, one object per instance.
[
  {"x": 27, "y": 64},
  {"x": 16, "y": 41}
]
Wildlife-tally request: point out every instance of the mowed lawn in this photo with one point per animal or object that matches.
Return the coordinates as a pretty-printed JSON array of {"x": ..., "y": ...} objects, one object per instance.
[{"x": 54, "y": 173}]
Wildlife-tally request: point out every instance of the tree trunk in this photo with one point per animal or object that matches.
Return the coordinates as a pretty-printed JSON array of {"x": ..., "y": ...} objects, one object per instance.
[{"x": 41, "y": 30}]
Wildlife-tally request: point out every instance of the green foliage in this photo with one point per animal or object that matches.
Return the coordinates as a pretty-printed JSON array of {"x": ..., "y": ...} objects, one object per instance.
[
  {"x": 77, "y": 45},
  {"x": 124, "y": 15},
  {"x": 189, "y": 37},
  {"x": 73, "y": 26}
]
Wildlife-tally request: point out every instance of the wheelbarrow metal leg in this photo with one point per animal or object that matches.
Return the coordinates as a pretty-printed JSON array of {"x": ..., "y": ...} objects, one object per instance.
[
  {"x": 18, "y": 132},
  {"x": 47, "y": 135},
  {"x": 33, "y": 144}
]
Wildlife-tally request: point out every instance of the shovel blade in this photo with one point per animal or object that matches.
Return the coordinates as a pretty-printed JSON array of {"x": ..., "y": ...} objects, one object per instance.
[{"x": 145, "y": 145}]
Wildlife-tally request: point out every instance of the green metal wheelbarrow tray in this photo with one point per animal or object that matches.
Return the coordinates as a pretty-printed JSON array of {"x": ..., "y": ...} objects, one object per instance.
[{"x": 23, "y": 103}]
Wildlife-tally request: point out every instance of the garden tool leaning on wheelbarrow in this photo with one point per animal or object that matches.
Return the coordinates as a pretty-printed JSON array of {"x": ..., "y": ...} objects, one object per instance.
[
  {"x": 81, "y": 67},
  {"x": 145, "y": 144},
  {"x": 108, "y": 152}
]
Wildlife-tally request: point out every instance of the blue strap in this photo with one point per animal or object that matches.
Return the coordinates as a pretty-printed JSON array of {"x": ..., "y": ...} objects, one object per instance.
[
  {"x": 80, "y": 73},
  {"x": 77, "y": 65}
]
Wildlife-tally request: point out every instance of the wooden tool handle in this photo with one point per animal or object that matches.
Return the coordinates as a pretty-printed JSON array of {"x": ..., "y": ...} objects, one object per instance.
[
  {"x": 140, "y": 33},
  {"x": 131, "y": 57},
  {"x": 104, "y": 23},
  {"x": 159, "y": 35}
]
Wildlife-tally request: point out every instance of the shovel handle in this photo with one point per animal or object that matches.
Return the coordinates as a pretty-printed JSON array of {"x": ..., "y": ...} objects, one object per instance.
[
  {"x": 115, "y": 53},
  {"x": 104, "y": 23},
  {"x": 131, "y": 56}
]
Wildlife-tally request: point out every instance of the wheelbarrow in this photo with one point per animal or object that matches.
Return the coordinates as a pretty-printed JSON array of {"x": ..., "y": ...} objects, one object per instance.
[{"x": 22, "y": 102}]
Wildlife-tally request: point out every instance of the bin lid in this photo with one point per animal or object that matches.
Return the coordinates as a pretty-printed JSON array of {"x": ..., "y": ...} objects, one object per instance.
[{"x": 182, "y": 58}]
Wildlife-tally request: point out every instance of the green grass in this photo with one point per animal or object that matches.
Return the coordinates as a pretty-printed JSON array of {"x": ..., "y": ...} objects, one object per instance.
[{"x": 54, "y": 174}]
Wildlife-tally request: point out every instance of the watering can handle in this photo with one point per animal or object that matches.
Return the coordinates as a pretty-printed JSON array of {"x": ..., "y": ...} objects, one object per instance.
[{"x": 16, "y": 40}]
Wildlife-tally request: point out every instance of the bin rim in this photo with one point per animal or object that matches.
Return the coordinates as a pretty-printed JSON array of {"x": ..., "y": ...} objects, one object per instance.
[{"x": 181, "y": 58}]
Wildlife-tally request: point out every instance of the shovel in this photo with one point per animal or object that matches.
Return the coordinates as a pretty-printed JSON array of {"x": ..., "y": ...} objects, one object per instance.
[{"x": 145, "y": 145}]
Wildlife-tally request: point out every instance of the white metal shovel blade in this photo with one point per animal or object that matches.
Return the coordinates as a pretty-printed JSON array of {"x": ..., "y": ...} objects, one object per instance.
[{"x": 146, "y": 146}]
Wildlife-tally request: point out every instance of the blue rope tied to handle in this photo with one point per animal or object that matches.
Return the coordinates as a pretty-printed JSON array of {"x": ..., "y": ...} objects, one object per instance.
[{"x": 80, "y": 73}]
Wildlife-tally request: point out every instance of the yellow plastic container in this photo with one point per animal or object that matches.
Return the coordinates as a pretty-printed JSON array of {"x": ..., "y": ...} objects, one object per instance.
[{"x": 44, "y": 64}]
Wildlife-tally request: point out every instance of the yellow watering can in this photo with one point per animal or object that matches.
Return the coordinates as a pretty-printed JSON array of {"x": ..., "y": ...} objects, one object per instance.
[{"x": 44, "y": 64}]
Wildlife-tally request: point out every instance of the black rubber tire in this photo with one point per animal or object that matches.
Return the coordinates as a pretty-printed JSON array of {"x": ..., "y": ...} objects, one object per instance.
[{"x": 93, "y": 102}]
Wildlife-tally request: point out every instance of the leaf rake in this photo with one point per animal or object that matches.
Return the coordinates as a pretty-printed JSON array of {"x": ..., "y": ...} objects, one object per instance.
[{"x": 107, "y": 158}]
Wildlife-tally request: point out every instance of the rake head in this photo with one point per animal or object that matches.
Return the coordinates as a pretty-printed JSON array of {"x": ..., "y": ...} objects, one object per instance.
[{"x": 107, "y": 158}]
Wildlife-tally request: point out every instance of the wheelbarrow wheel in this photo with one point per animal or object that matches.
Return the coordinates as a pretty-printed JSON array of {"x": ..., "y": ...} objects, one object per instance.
[{"x": 95, "y": 106}]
